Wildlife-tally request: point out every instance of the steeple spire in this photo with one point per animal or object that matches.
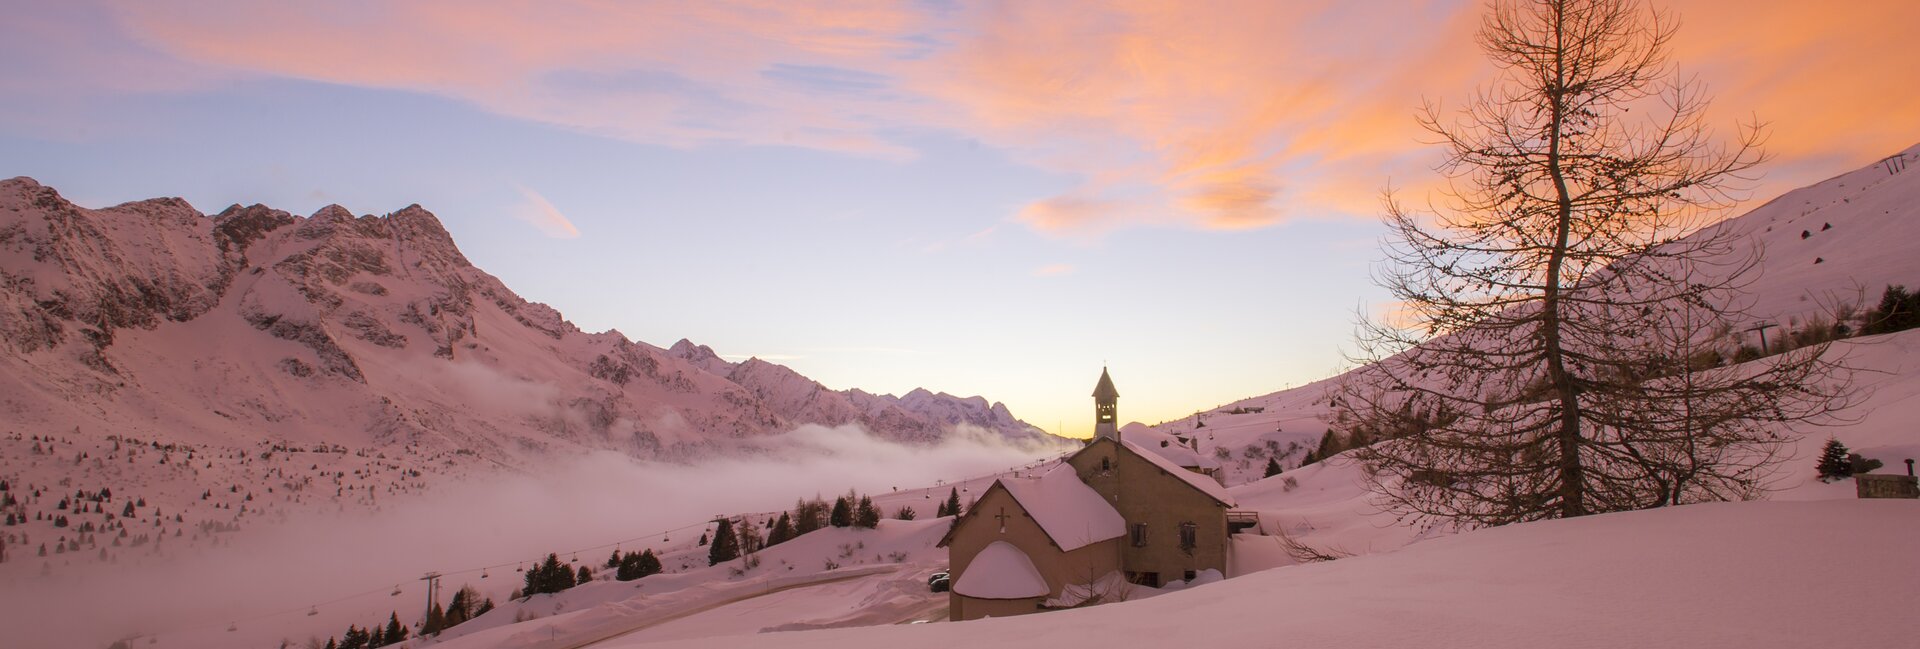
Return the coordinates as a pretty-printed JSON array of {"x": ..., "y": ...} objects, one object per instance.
[{"x": 1105, "y": 400}]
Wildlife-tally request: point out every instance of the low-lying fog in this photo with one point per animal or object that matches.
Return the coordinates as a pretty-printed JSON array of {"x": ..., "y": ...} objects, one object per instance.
[{"x": 504, "y": 518}]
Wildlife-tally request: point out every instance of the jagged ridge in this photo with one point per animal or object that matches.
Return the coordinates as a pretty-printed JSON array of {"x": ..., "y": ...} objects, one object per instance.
[{"x": 152, "y": 318}]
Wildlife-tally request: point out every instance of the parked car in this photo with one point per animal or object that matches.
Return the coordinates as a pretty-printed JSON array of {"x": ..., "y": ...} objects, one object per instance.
[{"x": 939, "y": 582}]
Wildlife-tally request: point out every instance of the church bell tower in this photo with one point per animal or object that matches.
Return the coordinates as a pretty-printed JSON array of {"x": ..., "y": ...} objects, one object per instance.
[{"x": 1105, "y": 397}]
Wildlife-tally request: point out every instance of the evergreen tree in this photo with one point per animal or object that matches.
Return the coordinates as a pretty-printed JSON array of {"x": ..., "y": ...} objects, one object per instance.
[
  {"x": 809, "y": 515},
  {"x": 378, "y": 637},
  {"x": 550, "y": 576},
  {"x": 1833, "y": 462},
  {"x": 395, "y": 631},
  {"x": 865, "y": 515},
  {"x": 842, "y": 515},
  {"x": 534, "y": 584},
  {"x": 460, "y": 608},
  {"x": 355, "y": 638},
  {"x": 628, "y": 569},
  {"x": 614, "y": 561},
  {"x": 584, "y": 576},
  {"x": 953, "y": 502},
  {"x": 725, "y": 547},
  {"x": 436, "y": 620},
  {"x": 1897, "y": 312},
  {"x": 485, "y": 606},
  {"x": 782, "y": 530},
  {"x": 558, "y": 576},
  {"x": 703, "y": 539},
  {"x": 1273, "y": 467},
  {"x": 906, "y": 513},
  {"x": 650, "y": 564},
  {"x": 1329, "y": 446}
]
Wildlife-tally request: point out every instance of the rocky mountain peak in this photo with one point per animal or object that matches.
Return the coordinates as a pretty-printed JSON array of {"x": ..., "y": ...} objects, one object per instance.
[{"x": 357, "y": 329}]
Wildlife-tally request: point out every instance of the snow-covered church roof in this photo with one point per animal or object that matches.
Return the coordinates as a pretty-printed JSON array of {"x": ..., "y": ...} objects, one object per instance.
[
  {"x": 1167, "y": 446},
  {"x": 1071, "y": 513},
  {"x": 1205, "y": 484},
  {"x": 1001, "y": 571}
]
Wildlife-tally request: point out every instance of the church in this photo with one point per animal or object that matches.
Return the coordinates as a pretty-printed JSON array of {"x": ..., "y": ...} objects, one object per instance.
[{"x": 1078, "y": 532}]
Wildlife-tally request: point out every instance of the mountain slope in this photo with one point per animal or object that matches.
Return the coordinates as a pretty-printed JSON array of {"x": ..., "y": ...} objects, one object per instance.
[
  {"x": 1838, "y": 242},
  {"x": 154, "y": 320}
]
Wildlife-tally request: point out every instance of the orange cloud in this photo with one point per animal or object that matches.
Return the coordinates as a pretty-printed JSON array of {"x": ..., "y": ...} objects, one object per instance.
[{"x": 1227, "y": 115}]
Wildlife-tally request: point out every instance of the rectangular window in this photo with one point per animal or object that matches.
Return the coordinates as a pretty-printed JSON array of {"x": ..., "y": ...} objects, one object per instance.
[
  {"x": 1139, "y": 535},
  {"x": 1189, "y": 537}
]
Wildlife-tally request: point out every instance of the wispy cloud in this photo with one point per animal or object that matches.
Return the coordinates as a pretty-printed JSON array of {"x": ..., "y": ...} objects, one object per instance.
[
  {"x": 1051, "y": 270},
  {"x": 539, "y": 213},
  {"x": 1231, "y": 116}
]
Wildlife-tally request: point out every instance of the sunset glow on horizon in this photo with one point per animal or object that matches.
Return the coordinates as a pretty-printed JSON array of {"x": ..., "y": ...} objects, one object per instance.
[{"x": 976, "y": 198}]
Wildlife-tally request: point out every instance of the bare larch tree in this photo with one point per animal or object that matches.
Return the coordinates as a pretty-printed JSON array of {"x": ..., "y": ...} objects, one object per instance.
[{"x": 1562, "y": 298}]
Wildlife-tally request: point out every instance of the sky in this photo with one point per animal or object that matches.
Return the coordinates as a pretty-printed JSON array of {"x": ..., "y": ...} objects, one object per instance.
[{"x": 972, "y": 197}]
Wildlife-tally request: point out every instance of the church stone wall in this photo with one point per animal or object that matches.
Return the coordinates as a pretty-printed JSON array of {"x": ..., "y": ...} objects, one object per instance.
[
  {"x": 1144, "y": 493},
  {"x": 981, "y": 526}
]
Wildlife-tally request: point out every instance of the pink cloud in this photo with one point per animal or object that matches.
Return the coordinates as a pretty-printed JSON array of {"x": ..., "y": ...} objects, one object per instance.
[
  {"x": 1051, "y": 270},
  {"x": 542, "y": 215},
  {"x": 1223, "y": 116}
]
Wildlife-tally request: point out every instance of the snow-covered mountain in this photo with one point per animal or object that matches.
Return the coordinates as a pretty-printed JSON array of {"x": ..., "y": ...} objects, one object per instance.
[{"x": 150, "y": 319}]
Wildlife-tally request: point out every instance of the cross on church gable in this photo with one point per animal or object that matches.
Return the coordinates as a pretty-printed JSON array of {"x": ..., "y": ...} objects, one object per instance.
[{"x": 1003, "y": 519}]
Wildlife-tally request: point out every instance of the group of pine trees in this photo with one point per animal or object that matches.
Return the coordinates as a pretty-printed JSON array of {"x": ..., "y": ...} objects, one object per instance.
[
  {"x": 552, "y": 576},
  {"x": 734, "y": 538},
  {"x": 373, "y": 636},
  {"x": 466, "y": 605},
  {"x": 1899, "y": 310},
  {"x": 952, "y": 506},
  {"x": 634, "y": 565}
]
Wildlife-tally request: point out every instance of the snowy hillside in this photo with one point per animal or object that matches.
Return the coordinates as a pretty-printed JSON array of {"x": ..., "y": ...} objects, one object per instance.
[
  {"x": 1838, "y": 243},
  {"x": 1733, "y": 575}
]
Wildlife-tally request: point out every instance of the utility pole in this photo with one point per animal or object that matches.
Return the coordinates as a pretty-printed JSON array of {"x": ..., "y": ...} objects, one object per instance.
[
  {"x": 1762, "y": 328},
  {"x": 427, "y": 622}
]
